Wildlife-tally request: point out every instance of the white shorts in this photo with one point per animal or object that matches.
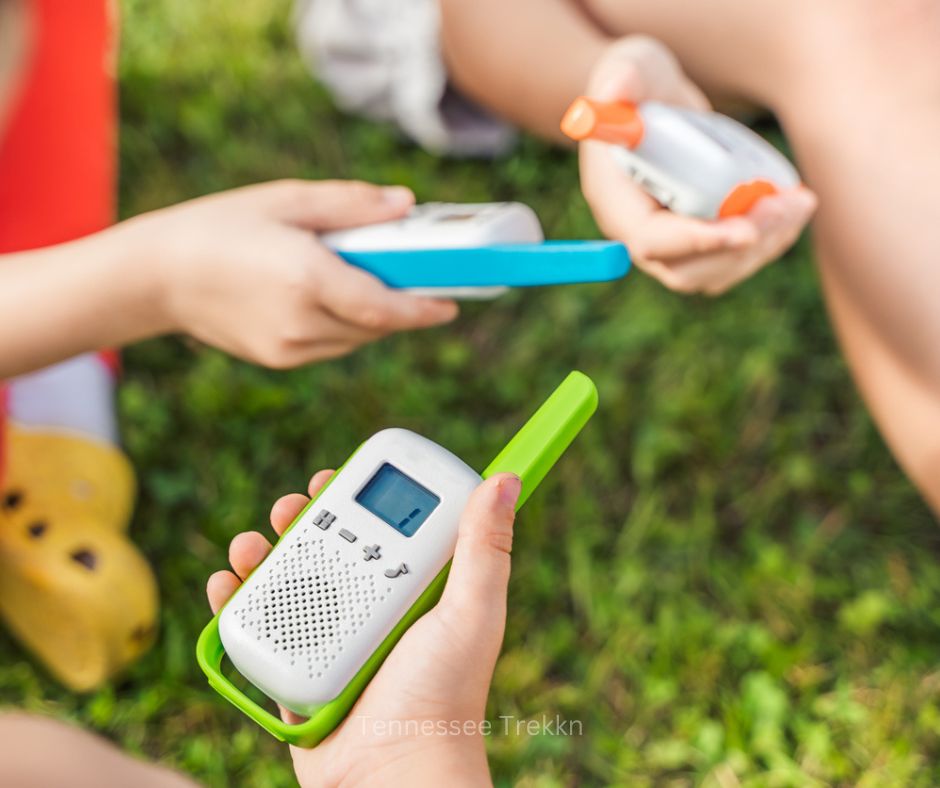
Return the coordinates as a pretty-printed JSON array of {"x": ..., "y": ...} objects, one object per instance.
[{"x": 382, "y": 59}]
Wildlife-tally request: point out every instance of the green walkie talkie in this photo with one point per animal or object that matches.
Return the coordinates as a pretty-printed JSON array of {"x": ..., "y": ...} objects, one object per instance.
[{"x": 361, "y": 563}]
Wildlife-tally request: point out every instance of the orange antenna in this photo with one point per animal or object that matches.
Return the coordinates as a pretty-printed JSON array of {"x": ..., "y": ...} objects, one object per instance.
[{"x": 617, "y": 122}]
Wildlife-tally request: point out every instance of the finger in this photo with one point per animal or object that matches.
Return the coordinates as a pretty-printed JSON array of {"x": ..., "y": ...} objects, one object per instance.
[
  {"x": 358, "y": 298},
  {"x": 475, "y": 594},
  {"x": 316, "y": 335},
  {"x": 691, "y": 95},
  {"x": 619, "y": 78},
  {"x": 640, "y": 68},
  {"x": 778, "y": 220},
  {"x": 285, "y": 511},
  {"x": 774, "y": 221},
  {"x": 246, "y": 551},
  {"x": 665, "y": 236},
  {"x": 792, "y": 209},
  {"x": 290, "y": 717},
  {"x": 333, "y": 205},
  {"x": 709, "y": 273},
  {"x": 220, "y": 587},
  {"x": 780, "y": 227},
  {"x": 626, "y": 213},
  {"x": 608, "y": 189},
  {"x": 334, "y": 320},
  {"x": 318, "y": 481},
  {"x": 670, "y": 236},
  {"x": 288, "y": 507},
  {"x": 717, "y": 272},
  {"x": 321, "y": 326}
]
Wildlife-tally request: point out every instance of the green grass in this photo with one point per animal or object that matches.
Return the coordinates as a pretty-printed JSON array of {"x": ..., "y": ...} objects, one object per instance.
[{"x": 727, "y": 578}]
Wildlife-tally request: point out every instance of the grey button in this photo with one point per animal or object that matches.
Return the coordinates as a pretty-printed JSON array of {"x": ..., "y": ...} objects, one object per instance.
[
  {"x": 324, "y": 519},
  {"x": 349, "y": 536},
  {"x": 371, "y": 552},
  {"x": 330, "y": 517},
  {"x": 401, "y": 569}
]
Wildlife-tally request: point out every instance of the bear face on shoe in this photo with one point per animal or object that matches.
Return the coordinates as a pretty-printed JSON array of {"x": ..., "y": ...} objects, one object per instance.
[{"x": 73, "y": 589}]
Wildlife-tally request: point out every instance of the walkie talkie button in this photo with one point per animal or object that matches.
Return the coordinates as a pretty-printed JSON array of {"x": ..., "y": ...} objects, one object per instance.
[
  {"x": 371, "y": 552},
  {"x": 324, "y": 519},
  {"x": 349, "y": 536},
  {"x": 401, "y": 569}
]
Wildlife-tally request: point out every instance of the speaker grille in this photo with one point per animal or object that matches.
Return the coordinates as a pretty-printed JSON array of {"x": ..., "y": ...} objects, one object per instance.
[{"x": 313, "y": 601}]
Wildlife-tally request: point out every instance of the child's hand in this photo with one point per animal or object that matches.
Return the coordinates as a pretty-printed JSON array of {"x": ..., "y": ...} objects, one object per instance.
[
  {"x": 685, "y": 254},
  {"x": 244, "y": 271},
  {"x": 438, "y": 674}
]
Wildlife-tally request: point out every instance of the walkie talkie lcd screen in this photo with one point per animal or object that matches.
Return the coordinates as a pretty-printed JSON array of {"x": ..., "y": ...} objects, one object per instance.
[{"x": 397, "y": 499}]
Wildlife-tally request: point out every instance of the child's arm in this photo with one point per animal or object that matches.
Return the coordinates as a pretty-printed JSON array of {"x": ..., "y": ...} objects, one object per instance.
[
  {"x": 528, "y": 59},
  {"x": 421, "y": 721},
  {"x": 242, "y": 271},
  {"x": 64, "y": 300}
]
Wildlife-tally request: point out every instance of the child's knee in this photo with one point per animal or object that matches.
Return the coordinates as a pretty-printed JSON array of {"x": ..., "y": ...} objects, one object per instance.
[
  {"x": 902, "y": 22},
  {"x": 856, "y": 56},
  {"x": 860, "y": 37}
]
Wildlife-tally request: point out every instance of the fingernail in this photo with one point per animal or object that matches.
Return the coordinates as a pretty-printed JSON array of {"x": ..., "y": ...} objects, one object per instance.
[
  {"x": 399, "y": 196},
  {"x": 615, "y": 87},
  {"x": 810, "y": 200},
  {"x": 508, "y": 490},
  {"x": 607, "y": 88},
  {"x": 441, "y": 311},
  {"x": 740, "y": 236}
]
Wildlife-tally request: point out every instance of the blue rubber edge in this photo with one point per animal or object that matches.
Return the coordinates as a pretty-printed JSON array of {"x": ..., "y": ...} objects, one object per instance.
[{"x": 509, "y": 265}]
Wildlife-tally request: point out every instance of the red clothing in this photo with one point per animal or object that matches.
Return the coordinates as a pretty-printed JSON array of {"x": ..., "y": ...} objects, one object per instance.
[
  {"x": 58, "y": 149},
  {"x": 57, "y": 153}
]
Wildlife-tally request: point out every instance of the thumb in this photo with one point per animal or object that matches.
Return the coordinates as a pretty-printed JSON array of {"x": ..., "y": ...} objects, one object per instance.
[
  {"x": 334, "y": 205},
  {"x": 479, "y": 577},
  {"x": 619, "y": 79},
  {"x": 639, "y": 68}
]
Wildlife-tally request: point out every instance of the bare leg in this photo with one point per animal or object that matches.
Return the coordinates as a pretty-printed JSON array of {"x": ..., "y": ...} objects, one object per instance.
[
  {"x": 734, "y": 49},
  {"x": 41, "y": 752},
  {"x": 856, "y": 84},
  {"x": 866, "y": 125}
]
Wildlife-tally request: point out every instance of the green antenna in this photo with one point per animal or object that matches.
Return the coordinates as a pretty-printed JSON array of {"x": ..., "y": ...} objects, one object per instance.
[{"x": 543, "y": 438}]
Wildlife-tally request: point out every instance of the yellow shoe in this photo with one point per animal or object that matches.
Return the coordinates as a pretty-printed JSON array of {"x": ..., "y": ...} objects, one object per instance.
[
  {"x": 73, "y": 474},
  {"x": 73, "y": 588}
]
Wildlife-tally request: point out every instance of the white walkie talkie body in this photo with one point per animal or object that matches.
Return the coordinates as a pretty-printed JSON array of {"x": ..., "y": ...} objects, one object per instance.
[
  {"x": 693, "y": 162},
  {"x": 305, "y": 622}
]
